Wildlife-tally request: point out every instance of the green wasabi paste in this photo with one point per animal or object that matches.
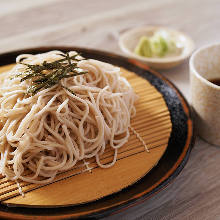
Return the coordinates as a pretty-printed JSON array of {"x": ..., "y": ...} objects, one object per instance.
[{"x": 159, "y": 45}]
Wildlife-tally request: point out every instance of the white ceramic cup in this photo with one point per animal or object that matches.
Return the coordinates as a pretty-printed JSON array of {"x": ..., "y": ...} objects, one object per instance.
[{"x": 205, "y": 95}]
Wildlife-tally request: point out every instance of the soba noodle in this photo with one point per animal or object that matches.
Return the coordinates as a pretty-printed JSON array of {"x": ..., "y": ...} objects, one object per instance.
[{"x": 49, "y": 132}]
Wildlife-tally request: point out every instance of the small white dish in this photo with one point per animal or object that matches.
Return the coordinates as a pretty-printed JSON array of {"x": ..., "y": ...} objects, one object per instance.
[{"x": 129, "y": 40}]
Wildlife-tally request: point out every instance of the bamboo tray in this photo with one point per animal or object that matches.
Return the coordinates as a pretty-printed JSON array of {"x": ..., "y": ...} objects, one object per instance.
[
  {"x": 87, "y": 182},
  {"x": 167, "y": 159}
]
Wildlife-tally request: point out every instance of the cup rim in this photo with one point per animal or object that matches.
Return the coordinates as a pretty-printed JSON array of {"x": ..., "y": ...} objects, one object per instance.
[{"x": 194, "y": 70}]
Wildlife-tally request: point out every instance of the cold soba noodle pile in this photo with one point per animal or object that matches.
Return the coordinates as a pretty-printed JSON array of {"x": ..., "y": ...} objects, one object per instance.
[{"x": 58, "y": 109}]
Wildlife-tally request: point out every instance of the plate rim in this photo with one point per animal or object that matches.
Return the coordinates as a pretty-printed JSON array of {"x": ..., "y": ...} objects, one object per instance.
[{"x": 170, "y": 175}]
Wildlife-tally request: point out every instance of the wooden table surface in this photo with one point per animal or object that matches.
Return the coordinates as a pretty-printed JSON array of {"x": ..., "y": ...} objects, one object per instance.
[{"x": 195, "y": 193}]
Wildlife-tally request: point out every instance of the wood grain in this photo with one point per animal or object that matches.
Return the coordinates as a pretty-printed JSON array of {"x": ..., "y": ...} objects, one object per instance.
[{"x": 195, "y": 192}]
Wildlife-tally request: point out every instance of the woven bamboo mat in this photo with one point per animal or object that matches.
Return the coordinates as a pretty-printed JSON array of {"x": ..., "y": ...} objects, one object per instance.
[{"x": 87, "y": 182}]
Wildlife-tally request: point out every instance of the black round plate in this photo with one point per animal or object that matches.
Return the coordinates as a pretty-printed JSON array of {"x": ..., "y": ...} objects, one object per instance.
[{"x": 170, "y": 165}]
